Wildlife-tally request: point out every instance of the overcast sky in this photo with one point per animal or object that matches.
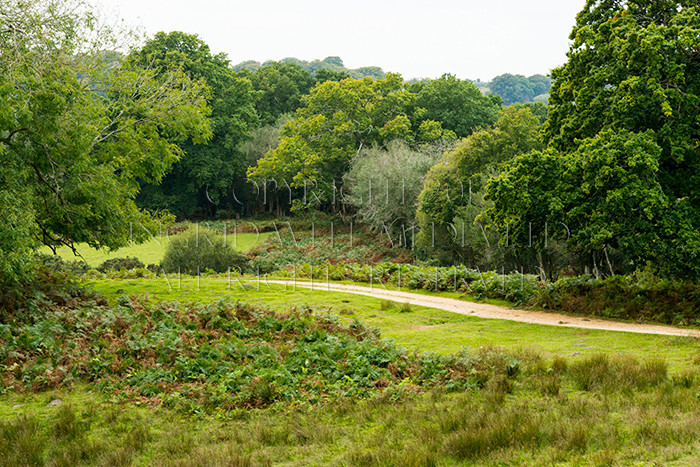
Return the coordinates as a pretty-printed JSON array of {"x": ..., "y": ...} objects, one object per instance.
[{"x": 419, "y": 39}]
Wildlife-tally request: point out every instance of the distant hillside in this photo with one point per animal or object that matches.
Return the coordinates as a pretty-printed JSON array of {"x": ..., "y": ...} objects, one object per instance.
[{"x": 329, "y": 63}]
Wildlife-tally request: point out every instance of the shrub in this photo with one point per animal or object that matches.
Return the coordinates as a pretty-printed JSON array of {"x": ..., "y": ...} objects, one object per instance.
[
  {"x": 116, "y": 264},
  {"x": 57, "y": 264},
  {"x": 198, "y": 250}
]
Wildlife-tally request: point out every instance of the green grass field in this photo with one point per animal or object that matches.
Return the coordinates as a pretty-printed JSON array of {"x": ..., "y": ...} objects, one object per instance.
[
  {"x": 578, "y": 397},
  {"x": 541, "y": 416},
  {"x": 150, "y": 252}
]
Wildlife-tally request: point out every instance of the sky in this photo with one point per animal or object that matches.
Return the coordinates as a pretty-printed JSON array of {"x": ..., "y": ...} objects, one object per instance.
[{"x": 419, "y": 39}]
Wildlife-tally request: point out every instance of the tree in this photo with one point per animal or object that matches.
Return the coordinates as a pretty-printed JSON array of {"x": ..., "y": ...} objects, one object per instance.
[
  {"x": 518, "y": 88},
  {"x": 453, "y": 196},
  {"x": 605, "y": 194},
  {"x": 338, "y": 120},
  {"x": 512, "y": 88},
  {"x": 281, "y": 87},
  {"x": 622, "y": 131},
  {"x": 325, "y": 74},
  {"x": 203, "y": 179},
  {"x": 383, "y": 186},
  {"x": 78, "y": 128},
  {"x": 540, "y": 84},
  {"x": 458, "y": 105}
]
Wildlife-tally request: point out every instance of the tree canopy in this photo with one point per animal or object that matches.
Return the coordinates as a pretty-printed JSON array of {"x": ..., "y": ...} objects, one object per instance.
[
  {"x": 452, "y": 197},
  {"x": 623, "y": 165},
  {"x": 202, "y": 179},
  {"x": 518, "y": 88},
  {"x": 78, "y": 128},
  {"x": 281, "y": 87},
  {"x": 457, "y": 104},
  {"x": 337, "y": 120},
  {"x": 340, "y": 118}
]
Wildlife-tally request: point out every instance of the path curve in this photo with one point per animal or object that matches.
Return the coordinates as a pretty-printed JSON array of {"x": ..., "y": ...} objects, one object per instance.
[{"x": 484, "y": 310}]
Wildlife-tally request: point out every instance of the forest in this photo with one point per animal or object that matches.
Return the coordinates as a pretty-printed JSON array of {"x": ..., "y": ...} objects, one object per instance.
[{"x": 574, "y": 192}]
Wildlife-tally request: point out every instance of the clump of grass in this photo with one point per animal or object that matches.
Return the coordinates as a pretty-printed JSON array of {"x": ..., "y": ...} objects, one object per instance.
[
  {"x": 601, "y": 373},
  {"x": 385, "y": 305},
  {"x": 685, "y": 379},
  {"x": 509, "y": 427},
  {"x": 405, "y": 308}
]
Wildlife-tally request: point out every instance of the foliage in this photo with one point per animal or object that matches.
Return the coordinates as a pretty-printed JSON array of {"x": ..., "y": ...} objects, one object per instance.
[
  {"x": 329, "y": 68},
  {"x": 452, "y": 198},
  {"x": 457, "y": 104},
  {"x": 527, "y": 420},
  {"x": 281, "y": 87},
  {"x": 634, "y": 297},
  {"x": 116, "y": 264},
  {"x": 641, "y": 297},
  {"x": 317, "y": 145},
  {"x": 57, "y": 264},
  {"x": 78, "y": 128},
  {"x": 383, "y": 185},
  {"x": 324, "y": 74},
  {"x": 622, "y": 168},
  {"x": 201, "y": 181},
  {"x": 197, "y": 250},
  {"x": 218, "y": 357},
  {"x": 518, "y": 88},
  {"x": 321, "y": 240},
  {"x": 513, "y": 287}
]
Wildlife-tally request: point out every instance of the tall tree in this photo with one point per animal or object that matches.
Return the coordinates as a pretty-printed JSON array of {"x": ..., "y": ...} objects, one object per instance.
[
  {"x": 281, "y": 87},
  {"x": 457, "y": 104},
  {"x": 623, "y": 134},
  {"x": 78, "y": 127},
  {"x": 203, "y": 179},
  {"x": 339, "y": 119},
  {"x": 453, "y": 195}
]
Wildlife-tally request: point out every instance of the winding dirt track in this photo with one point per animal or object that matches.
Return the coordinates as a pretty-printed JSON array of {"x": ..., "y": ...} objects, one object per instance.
[{"x": 483, "y": 310}]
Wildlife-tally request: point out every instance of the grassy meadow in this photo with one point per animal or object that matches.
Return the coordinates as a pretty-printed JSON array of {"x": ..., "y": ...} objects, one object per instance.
[{"x": 219, "y": 370}]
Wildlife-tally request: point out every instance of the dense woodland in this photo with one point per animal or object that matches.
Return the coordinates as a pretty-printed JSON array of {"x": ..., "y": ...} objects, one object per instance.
[{"x": 100, "y": 131}]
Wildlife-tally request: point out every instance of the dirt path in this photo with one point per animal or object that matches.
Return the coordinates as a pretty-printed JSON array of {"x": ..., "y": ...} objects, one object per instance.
[{"x": 483, "y": 310}]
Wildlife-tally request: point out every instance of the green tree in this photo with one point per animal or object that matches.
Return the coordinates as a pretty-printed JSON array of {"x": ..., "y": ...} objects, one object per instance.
[
  {"x": 457, "y": 104},
  {"x": 281, "y": 87},
  {"x": 78, "y": 128},
  {"x": 452, "y": 198},
  {"x": 337, "y": 121},
  {"x": 540, "y": 84},
  {"x": 324, "y": 74},
  {"x": 513, "y": 88},
  {"x": 203, "y": 179},
  {"x": 622, "y": 131},
  {"x": 384, "y": 183}
]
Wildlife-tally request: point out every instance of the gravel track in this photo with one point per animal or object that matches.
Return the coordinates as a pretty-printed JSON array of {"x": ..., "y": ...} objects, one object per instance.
[{"x": 484, "y": 310}]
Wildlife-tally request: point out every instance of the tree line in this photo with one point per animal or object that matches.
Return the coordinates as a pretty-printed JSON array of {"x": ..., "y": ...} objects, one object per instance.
[{"x": 96, "y": 138}]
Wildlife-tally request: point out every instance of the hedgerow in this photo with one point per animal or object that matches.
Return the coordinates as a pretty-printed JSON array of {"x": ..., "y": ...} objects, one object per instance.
[{"x": 516, "y": 288}]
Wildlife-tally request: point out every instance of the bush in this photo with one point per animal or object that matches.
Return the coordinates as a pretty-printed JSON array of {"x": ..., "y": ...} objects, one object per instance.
[
  {"x": 199, "y": 250},
  {"x": 57, "y": 264},
  {"x": 116, "y": 264}
]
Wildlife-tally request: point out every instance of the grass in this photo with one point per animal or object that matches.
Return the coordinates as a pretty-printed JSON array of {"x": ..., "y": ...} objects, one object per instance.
[
  {"x": 553, "y": 396},
  {"x": 150, "y": 252},
  {"x": 512, "y": 421},
  {"x": 423, "y": 328}
]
